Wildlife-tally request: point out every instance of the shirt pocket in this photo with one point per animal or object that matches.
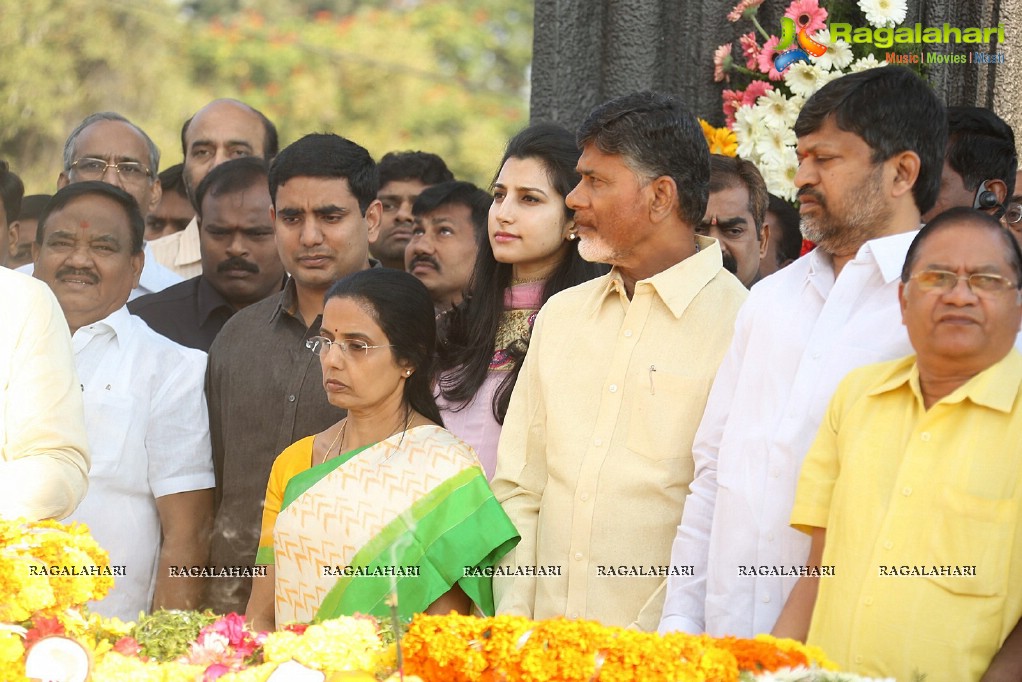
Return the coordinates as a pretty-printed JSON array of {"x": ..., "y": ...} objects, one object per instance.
[
  {"x": 108, "y": 419},
  {"x": 972, "y": 531},
  {"x": 658, "y": 428}
]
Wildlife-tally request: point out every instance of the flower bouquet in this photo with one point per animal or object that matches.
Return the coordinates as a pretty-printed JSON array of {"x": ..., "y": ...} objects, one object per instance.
[{"x": 770, "y": 80}]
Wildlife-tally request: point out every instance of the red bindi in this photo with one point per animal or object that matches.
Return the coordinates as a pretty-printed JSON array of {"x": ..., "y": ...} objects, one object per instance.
[{"x": 84, "y": 224}]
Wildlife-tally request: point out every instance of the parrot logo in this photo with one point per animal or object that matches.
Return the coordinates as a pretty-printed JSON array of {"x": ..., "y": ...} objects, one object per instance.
[{"x": 800, "y": 53}]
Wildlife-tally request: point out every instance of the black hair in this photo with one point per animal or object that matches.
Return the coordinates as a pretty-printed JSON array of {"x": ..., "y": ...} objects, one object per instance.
[
  {"x": 961, "y": 215},
  {"x": 271, "y": 144},
  {"x": 456, "y": 192},
  {"x": 427, "y": 168},
  {"x": 401, "y": 305},
  {"x": 730, "y": 171},
  {"x": 325, "y": 155},
  {"x": 789, "y": 247},
  {"x": 11, "y": 191},
  {"x": 231, "y": 176},
  {"x": 32, "y": 206},
  {"x": 172, "y": 180},
  {"x": 657, "y": 135},
  {"x": 980, "y": 146},
  {"x": 469, "y": 331},
  {"x": 75, "y": 190},
  {"x": 893, "y": 110}
]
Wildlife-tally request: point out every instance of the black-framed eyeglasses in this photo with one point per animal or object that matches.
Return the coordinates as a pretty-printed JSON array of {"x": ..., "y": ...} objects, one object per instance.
[
  {"x": 350, "y": 348},
  {"x": 90, "y": 168},
  {"x": 980, "y": 283}
]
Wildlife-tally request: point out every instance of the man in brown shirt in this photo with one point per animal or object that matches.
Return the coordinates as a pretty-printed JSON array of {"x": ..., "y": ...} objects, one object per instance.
[{"x": 263, "y": 386}]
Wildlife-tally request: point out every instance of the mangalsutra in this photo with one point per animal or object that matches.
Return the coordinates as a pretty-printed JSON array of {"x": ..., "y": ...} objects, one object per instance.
[
  {"x": 404, "y": 429},
  {"x": 338, "y": 439}
]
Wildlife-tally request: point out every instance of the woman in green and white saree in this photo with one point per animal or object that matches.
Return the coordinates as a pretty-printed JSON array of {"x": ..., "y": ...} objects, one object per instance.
[{"x": 385, "y": 500}]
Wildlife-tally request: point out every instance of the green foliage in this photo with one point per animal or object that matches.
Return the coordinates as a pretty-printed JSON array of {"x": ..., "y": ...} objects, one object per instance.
[
  {"x": 65, "y": 59},
  {"x": 450, "y": 78},
  {"x": 165, "y": 635}
]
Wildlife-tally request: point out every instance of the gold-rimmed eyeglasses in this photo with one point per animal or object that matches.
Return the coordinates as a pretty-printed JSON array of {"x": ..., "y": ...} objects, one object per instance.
[
  {"x": 980, "y": 283},
  {"x": 90, "y": 168}
]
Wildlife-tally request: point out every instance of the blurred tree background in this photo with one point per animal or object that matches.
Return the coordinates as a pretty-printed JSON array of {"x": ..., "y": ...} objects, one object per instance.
[{"x": 441, "y": 76}]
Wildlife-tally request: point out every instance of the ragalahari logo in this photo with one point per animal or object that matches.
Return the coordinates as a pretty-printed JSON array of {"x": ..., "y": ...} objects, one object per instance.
[{"x": 806, "y": 45}]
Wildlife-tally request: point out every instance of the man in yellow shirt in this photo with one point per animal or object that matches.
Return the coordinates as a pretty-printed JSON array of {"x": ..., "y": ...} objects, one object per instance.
[
  {"x": 911, "y": 490},
  {"x": 595, "y": 455}
]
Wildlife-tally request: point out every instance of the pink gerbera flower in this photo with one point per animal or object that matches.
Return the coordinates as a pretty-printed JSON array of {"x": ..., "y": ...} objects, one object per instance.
[
  {"x": 766, "y": 59},
  {"x": 722, "y": 62},
  {"x": 750, "y": 50},
  {"x": 732, "y": 101},
  {"x": 755, "y": 90},
  {"x": 741, "y": 8},
  {"x": 808, "y": 15}
]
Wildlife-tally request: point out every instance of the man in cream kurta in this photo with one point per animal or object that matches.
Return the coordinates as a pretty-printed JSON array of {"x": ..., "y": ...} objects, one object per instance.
[
  {"x": 44, "y": 457},
  {"x": 595, "y": 457}
]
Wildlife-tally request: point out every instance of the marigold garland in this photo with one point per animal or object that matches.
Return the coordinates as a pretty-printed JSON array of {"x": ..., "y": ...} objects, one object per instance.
[
  {"x": 468, "y": 649},
  {"x": 48, "y": 569}
]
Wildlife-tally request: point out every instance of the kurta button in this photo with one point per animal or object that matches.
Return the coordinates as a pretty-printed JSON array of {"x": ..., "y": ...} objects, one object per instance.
[
  {"x": 906, "y": 491},
  {"x": 613, "y": 388},
  {"x": 888, "y": 544},
  {"x": 628, "y": 333},
  {"x": 868, "y": 601},
  {"x": 578, "y": 556},
  {"x": 584, "y": 497},
  {"x": 597, "y": 442},
  {"x": 291, "y": 398},
  {"x": 925, "y": 435},
  {"x": 766, "y": 598}
]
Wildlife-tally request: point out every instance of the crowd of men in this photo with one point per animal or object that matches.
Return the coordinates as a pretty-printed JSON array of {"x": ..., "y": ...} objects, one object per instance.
[{"x": 691, "y": 454}]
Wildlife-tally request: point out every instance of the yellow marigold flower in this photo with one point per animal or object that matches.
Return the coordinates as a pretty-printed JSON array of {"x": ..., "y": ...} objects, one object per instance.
[
  {"x": 257, "y": 673},
  {"x": 12, "y": 647},
  {"x": 331, "y": 646}
]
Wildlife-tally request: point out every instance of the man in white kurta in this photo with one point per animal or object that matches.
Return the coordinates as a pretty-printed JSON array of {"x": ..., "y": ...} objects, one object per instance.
[
  {"x": 150, "y": 501},
  {"x": 801, "y": 330}
]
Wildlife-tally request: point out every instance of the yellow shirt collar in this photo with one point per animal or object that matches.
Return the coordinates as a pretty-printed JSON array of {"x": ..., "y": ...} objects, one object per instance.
[
  {"x": 676, "y": 286},
  {"x": 995, "y": 387}
]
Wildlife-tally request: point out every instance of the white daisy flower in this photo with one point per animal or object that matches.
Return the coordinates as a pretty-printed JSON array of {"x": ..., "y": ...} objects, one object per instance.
[
  {"x": 774, "y": 108},
  {"x": 838, "y": 54},
  {"x": 888, "y": 13},
  {"x": 774, "y": 143},
  {"x": 803, "y": 79},
  {"x": 748, "y": 127},
  {"x": 779, "y": 174},
  {"x": 867, "y": 62}
]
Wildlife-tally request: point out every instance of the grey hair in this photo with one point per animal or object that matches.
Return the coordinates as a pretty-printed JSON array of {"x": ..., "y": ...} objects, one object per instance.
[
  {"x": 655, "y": 135},
  {"x": 72, "y": 139}
]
